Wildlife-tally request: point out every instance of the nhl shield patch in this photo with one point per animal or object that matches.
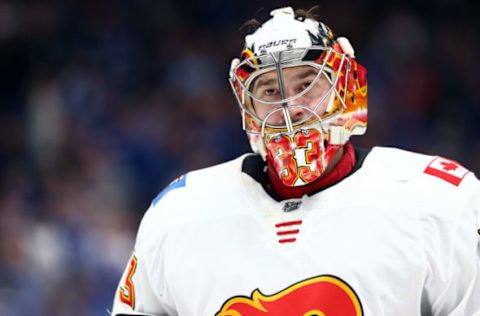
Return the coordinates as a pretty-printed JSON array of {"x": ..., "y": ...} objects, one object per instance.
[
  {"x": 291, "y": 205},
  {"x": 446, "y": 169}
]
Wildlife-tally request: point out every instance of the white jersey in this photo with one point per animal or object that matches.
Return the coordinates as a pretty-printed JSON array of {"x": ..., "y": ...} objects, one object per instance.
[{"x": 400, "y": 236}]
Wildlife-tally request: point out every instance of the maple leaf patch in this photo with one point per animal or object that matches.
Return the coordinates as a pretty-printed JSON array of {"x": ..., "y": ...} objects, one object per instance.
[{"x": 446, "y": 169}]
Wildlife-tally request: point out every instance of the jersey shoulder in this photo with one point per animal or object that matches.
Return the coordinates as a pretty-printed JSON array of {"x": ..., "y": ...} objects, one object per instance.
[
  {"x": 407, "y": 165},
  {"x": 200, "y": 184},
  {"x": 195, "y": 196},
  {"x": 419, "y": 179}
]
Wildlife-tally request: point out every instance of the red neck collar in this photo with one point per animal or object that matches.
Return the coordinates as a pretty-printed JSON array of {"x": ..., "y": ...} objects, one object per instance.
[{"x": 343, "y": 167}]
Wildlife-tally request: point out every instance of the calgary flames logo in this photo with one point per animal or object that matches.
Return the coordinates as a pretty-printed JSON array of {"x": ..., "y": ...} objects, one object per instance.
[{"x": 320, "y": 296}]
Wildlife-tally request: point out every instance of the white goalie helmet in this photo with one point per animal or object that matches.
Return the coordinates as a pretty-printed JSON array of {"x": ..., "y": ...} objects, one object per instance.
[{"x": 301, "y": 94}]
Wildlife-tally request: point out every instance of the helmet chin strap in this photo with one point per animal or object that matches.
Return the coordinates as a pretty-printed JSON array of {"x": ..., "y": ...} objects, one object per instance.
[{"x": 338, "y": 135}]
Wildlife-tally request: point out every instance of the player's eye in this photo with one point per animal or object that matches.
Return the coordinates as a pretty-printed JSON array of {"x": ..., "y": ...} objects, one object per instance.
[
  {"x": 305, "y": 85},
  {"x": 270, "y": 92}
]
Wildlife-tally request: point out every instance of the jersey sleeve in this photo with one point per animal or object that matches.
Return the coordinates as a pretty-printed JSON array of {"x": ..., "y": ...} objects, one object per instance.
[
  {"x": 141, "y": 290},
  {"x": 452, "y": 247}
]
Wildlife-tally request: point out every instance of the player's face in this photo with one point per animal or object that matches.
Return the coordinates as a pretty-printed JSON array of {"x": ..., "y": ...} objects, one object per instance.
[{"x": 295, "y": 81}]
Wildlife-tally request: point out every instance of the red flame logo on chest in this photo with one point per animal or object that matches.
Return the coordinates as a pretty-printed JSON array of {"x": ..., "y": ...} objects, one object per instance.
[{"x": 320, "y": 296}]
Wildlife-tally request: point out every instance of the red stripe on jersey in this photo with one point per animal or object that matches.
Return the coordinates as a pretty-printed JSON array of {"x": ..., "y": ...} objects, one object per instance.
[
  {"x": 282, "y": 241},
  {"x": 288, "y": 232},
  {"x": 288, "y": 223}
]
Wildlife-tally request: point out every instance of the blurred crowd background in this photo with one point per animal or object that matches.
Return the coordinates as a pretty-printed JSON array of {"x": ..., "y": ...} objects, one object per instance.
[{"x": 103, "y": 103}]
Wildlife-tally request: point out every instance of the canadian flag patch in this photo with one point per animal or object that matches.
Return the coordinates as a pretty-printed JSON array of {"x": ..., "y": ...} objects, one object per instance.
[{"x": 446, "y": 169}]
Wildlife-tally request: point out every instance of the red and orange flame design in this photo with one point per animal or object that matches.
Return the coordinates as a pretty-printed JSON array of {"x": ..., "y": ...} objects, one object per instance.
[
  {"x": 352, "y": 89},
  {"x": 320, "y": 296}
]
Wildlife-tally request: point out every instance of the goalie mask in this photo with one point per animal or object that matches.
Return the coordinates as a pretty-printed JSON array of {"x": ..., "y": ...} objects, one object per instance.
[{"x": 301, "y": 93}]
